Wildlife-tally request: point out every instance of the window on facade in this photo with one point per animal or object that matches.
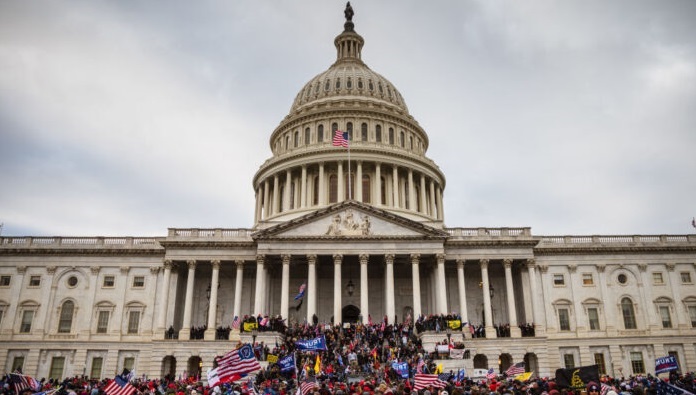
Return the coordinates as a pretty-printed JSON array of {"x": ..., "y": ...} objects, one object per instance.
[
  {"x": 637, "y": 364},
  {"x": 66, "y": 317},
  {"x": 333, "y": 188},
  {"x": 593, "y": 317},
  {"x": 56, "y": 371},
  {"x": 370, "y": 85},
  {"x": 334, "y": 128},
  {"x": 2, "y": 312},
  {"x": 133, "y": 322},
  {"x": 27, "y": 318},
  {"x": 410, "y": 143},
  {"x": 563, "y": 319},
  {"x": 320, "y": 134},
  {"x": 676, "y": 358},
  {"x": 297, "y": 139},
  {"x": 363, "y": 132},
  {"x": 391, "y": 136},
  {"x": 306, "y": 136},
  {"x": 349, "y": 130},
  {"x": 349, "y": 83},
  {"x": 383, "y": 190},
  {"x": 587, "y": 279},
  {"x": 402, "y": 139},
  {"x": 622, "y": 279},
  {"x": 685, "y": 277},
  {"x": 366, "y": 196},
  {"x": 405, "y": 194},
  {"x": 378, "y": 133},
  {"x": 95, "y": 371},
  {"x": 103, "y": 321},
  {"x": 338, "y": 83},
  {"x": 18, "y": 364},
  {"x": 287, "y": 142},
  {"x": 327, "y": 85},
  {"x": 665, "y": 316},
  {"x": 315, "y": 191},
  {"x": 692, "y": 315},
  {"x": 599, "y": 361},
  {"x": 128, "y": 363},
  {"x": 569, "y": 361},
  {"x": 629, "y": 314},
  {"x": 558, "y": 279},
  {"x": 360, "y": 83},
  {"x": 108, "y": 281},
  {"x": 34, "y": 281},
  {"x": 657, "y": 278},
  {"x": 72, "y": 281},
  {"x": 138, "y": 281},
  {"x": 5, "y": 281}
]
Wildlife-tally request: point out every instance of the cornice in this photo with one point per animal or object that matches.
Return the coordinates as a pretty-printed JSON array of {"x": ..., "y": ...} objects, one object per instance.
[
  {"x": 82, "y": 251},
  {"x": 207, "y": 244},
  {"x": 498, "y": 242},
  {"x": 679, "y": 249}
]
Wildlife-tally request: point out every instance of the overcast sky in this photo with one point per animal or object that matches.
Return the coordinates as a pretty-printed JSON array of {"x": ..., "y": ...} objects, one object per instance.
[{"x": 124, "y": 118}]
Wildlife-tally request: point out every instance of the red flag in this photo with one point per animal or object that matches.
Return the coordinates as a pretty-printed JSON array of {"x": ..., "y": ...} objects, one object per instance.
[{"x": 340, "y": 139}]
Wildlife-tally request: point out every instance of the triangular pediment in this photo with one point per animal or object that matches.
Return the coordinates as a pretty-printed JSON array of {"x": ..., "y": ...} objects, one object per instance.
[{"x": 350, "y": 220}]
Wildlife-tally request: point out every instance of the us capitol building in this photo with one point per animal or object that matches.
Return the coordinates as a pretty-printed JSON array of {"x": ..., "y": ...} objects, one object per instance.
[{"x": 366, "y": 233}]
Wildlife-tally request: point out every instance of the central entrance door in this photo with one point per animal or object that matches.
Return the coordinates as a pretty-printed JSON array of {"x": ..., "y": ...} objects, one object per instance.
[{"x": 351, "y": 313}]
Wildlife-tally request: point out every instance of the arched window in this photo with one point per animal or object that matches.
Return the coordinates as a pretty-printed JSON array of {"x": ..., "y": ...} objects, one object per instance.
[
  {"x": 327, "y": 86},
  {"x": 306, "y": 136},
  {"x": 378, "y": 133},
  {"x": 287, "y": 142},
  {"x": 338, "y": 83},
  {"x": 383, "y": 191},
  {"x": 297, "y": 139},
  {"x": 333, "y": 188},
  {"x": 418, "y": 205},
  {"x": 405, "y": 193},
  {"x": 629, "y": 314},
  {"x": 360, "y": 83},
  {"x": 281, "y": 200},
  {"x": 410, "y": 142},
  {"x": 366, "y": 195},
  {"x": 349, "y": 129},
  {"x": 363, "y": 132},
  {"x": 320, "y": 134},
  {"x": 349, "y": 83},
  {"x": 391, "y": 136},
  {"x": 66, "y": 317},
  {"x": 402, "y": 140},
  {"x": 315, "y": 191},
  {"x": 334, "y": 128}
]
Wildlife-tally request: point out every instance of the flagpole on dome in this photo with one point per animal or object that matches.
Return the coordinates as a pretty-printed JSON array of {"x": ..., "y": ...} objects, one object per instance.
[{"x": 350, "y": 179}]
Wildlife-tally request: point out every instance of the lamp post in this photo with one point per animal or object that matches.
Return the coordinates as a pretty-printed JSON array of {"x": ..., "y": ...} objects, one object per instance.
[
  {"x": 254, "y": 333},
  {"x": 350, "y": 287}
]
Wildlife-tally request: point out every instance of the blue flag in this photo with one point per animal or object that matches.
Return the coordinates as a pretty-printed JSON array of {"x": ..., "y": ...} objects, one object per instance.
[
  {"x": 401, "y": 368},
  {"x": 316, "y": 344},
  {"x": 666, "y": 364},
  {"x": 287, "y": 363}
]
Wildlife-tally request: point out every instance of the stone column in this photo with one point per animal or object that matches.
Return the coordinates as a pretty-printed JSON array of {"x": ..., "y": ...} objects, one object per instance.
[
  {"x": 487, "y": 312},
  {"x": 389, "y": 273},
  {"x": 257, "y": 207},
  {"x": 415, "y": 274},
  {"x": 536, "y": 307},
  {"x": 341, "y": 191},
  {"x": 337, "y": 288},
  {"x": 185, "y": 332},
  {"x": 609, "y": 323},
  {"x": 440, "y": 207},
  {"x": 311, "y": 287},
  {"x": 322, "y": 185},
  {"x": 378, "y": 185},
  {"x": 462, "y": 297},
  {"x": 212, "y": 308},
  {"x": 433, "y": 204},
  {"x": 364, "y": 300},
  {"x": 164, "y": 299},
  {"x": 303, "y": 191},
  {"x": 509, "y": 290},
  {"x": 358, "y": 182},
  {"x": 653, "y": 321},
  {"x": 680, "y": 320},
  {"x": 411, "y": 192},
  {"x": 288, "y": 186},
  {"x": 285, "y": 287},
  {"x": 395, "y": 186},
  {"x": 276, "y": 195},
  {"x": 441, "y": 285},
  {"x": 424, "y": 206},
  {"x": 234, "y": 335},
  {"x": 266, "y": 197},
  {"x": 258, "y": 292}
]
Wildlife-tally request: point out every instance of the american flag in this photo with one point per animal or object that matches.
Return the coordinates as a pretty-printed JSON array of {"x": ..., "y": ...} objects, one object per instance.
[
  {"x": 119, "y": 386},
  {"x": 307, "y": 386},
  {"x": 423, "y": 380},
  {"x": 300, "y": 293},
  {"x": 491, "y": 374},
  {"x": 22, "y": 382},
  {"x": 264, "y": 321},
  {"x": 444, "y": 376},
  {"x": 236, "y": 322},
  {"x": 340, "y": 139},
  {"x": 515, "y": 369},
  {"x": 236, "y": 363}
]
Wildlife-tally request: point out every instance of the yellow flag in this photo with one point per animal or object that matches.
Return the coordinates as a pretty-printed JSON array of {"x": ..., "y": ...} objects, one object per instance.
[
  {"x": 438, "y": 369},
  {"x": 524, "y": 376},
  {"x": 317, "y": 365},
  {"x": 454, "y": 324}
]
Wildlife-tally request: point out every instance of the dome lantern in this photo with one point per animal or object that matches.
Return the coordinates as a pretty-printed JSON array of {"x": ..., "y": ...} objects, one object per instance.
[{"x": 349, "y": 43}]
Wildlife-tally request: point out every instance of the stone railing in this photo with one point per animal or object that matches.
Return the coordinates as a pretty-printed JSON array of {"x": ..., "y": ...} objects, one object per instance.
[
  {"x": 630, "y": 239},
  {"x": 489, "y": 232},
  {"x": 82, "y": 242},
  {"x": 210, "y": 234}
]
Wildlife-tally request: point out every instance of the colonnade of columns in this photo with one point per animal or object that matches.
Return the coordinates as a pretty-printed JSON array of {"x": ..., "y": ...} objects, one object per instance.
[
  {"x": 441, "y": 305},
  {"x": 403, "y": 188}
]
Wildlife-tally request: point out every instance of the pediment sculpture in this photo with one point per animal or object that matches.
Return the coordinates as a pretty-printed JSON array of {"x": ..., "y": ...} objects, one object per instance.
[{"x": 345, "y": 224}]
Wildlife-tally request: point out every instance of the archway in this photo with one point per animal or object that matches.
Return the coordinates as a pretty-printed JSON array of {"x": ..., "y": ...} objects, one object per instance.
[
  {"x": 350, "y": 313},
  {"x": 194, "y": 367},
  {"x": 480, "y": 361},
  {"x": 531, "y": 362},
  {"x": 505, "y": 362},
  {"x": 169, "y": 367}
]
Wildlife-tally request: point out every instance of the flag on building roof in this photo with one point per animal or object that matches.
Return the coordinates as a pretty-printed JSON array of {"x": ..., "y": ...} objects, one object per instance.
[
  {"x": 237, "y": 363},
  {"x": 119, "y": 386},
  {"x": 340, "y": 139},
  {"x": 491, "y": 374},
  {"x": 423, "y": 380},
  {"x": 515, "y": 369}
]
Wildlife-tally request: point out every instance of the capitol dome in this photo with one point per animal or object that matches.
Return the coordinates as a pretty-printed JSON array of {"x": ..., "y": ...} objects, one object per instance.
[{"x": 386, "y": 166}]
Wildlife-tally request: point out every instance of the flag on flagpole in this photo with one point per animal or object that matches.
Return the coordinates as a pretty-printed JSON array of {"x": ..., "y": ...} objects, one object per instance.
[
  {"x": 423, "y": 380},
  {"x": 22, "y": 382},
  {"x": 119, "y": 386},
  {"x": 307, "y": 386},
  {"x": 491, "y": 374},
  {"x": 236, "y": 363},
  {"x": 515, "y": 369},
  {"x": 236, "y": 322},
  {"x": 301, "y": 292},
  {"x": 340, "y": 139},
  {"x": 317, "y": 365}
]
